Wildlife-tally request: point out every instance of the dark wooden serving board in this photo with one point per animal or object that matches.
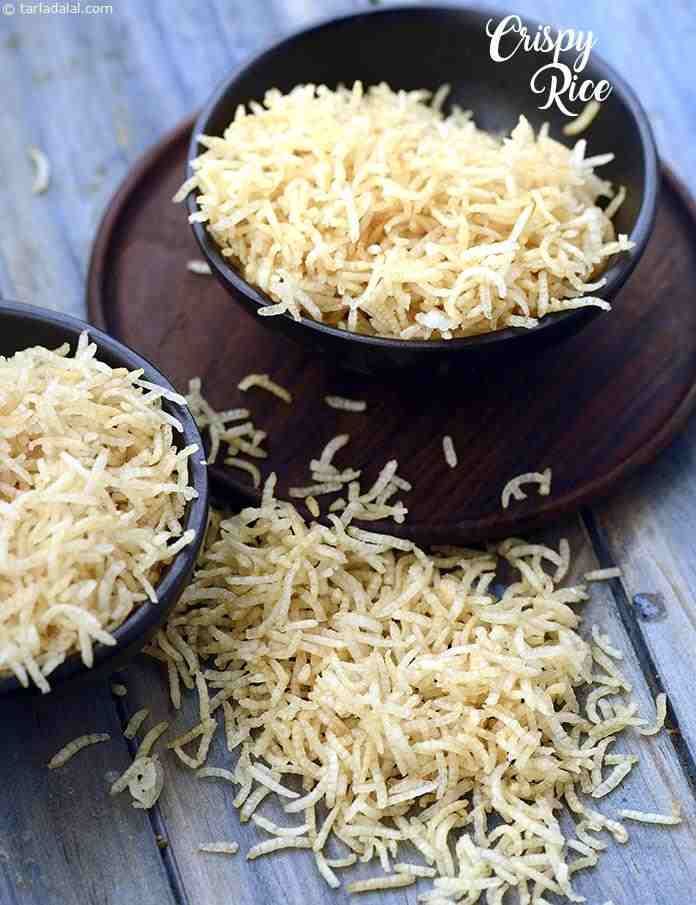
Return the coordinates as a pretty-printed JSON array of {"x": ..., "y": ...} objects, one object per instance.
[{"x": 593, "y": 409}]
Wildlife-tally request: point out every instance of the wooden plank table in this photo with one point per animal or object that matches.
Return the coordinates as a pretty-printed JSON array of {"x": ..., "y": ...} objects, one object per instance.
[{"x": 93, "y": 91}]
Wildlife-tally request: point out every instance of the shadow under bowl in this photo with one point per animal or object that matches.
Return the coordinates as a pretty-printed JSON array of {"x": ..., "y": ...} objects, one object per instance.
[
  {"x": 426, "y": 47},
  {"x": 22, "y": 326}
]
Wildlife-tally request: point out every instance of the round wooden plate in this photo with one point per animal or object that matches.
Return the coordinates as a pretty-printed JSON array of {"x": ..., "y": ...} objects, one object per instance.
[{"x": 593, "y": 409}]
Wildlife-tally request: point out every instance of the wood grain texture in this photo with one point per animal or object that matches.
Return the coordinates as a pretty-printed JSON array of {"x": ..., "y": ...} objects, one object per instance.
[
  {"x": 656, "y": 866},
  {"x": 504, "y": 421},
  {"x": 94, "y": 93},
  {"x": 650, "y": 530},
  {"x": 63, "y": 839}
]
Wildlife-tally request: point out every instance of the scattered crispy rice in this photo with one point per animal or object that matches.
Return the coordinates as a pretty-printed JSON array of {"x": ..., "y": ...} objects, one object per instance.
[
  {"x": 151, "y": 737},
  {"x": 77, "y": 744},
  {"x": 135, "y": 722},
  {"x": 583, "y": 120},
  {"x": 660, "y": 716},
  {"x": 146, "y": 782},
  {"x": 345, "y": 405},
  {"x": 313, "y": 506},
  {"x": 602, "y": 574},
  {"x": 223, "y": 430},
  {"x": 275, "y": 830},
  {"x": 604, "y": 644},
  {"x": 449, "y": 451},
  {"x": 615, "y": 778},
  {"x": 369, "y": 505},
  {"x": 376, "y": 883},
  {"x": 211, "y": 772},
  {"x": 386, "y": 680},
  {"x": 647, "y": 817},
  {"x": 417, "y": 870},
  {"x": 264, "y": 382},
  {"x": 513, "y": 488},
  {"x": 144, "y": 778},
  {"x": 202, "y": 268},
  {"x": 219, "y": 848},
  {"x": 276, "y": 845},
  {"x": 248, "y": 467},
  {"x": 42, "y": 170},
  {"x": 312, "y": 490}
]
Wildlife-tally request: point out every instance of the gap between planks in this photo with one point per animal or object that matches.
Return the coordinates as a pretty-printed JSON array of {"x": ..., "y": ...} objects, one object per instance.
[
  {"x": 155, "y": 817},
  {"x": 602, "y": 549}
]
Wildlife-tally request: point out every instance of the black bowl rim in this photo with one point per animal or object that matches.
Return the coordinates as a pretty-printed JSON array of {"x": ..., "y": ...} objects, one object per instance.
[
  {"x": 170, "y": 588},
  {"x": 616, "y": 275}
]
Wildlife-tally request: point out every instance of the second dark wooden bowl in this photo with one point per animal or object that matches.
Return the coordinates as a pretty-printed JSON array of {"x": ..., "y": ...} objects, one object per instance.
[
  {"x": 410, "y": 48},
  {"x": 22, "y": 326}
]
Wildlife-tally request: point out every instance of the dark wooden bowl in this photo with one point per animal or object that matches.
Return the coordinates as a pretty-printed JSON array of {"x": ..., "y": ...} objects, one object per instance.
[
  {"x": 410, "y": 48},
  {"x": 24, "y": 325}
]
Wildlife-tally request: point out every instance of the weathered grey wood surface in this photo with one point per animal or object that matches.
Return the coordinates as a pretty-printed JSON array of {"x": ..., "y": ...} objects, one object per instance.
[
  {"x": 63, "y": 838},
  {"x": 94, "y": 92}
]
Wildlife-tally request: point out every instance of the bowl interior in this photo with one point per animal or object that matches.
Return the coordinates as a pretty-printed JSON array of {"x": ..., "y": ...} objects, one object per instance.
[
  {"x": 22, "y": 326},
  {"x": 414, "y": 48}
]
